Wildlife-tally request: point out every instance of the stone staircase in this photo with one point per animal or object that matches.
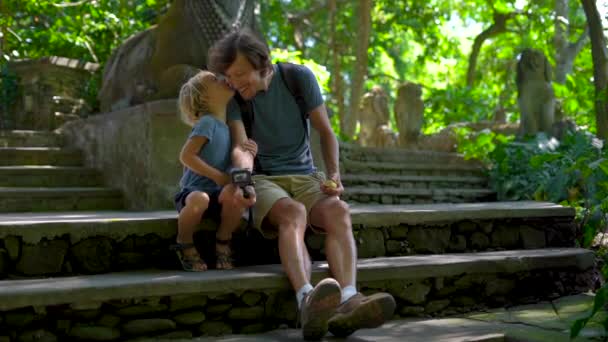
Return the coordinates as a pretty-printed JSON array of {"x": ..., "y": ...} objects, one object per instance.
[
  {"x": 38, "y": 173},
  {"x": 86, "y": 270},
  {"x": 397, "y": 176}
]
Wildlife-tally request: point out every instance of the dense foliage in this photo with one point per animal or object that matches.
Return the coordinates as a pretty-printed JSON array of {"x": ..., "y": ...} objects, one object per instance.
[{"x": 428, "y": 42}]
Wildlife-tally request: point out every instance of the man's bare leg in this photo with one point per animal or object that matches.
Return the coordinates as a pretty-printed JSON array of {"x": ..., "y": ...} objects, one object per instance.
[
  {"x": 333, "y": 216},
  {"x": 289, "y": 217},
  {"x": 356, "y": 310},
  {"x": 316, "y": 304}
]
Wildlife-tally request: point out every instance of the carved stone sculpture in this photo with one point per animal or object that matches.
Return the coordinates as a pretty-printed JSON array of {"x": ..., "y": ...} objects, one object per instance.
[
  {"x": 153, "y": 64},
  {"x": 409, "y": 111},
  {"x": 373, "y": 114},
  {"x": 535, "y": 96}
]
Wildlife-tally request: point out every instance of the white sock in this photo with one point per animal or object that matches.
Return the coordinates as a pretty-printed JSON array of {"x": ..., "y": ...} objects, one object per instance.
[
  {"x": 348, "y": 292},
  {"x": 301, "y": 292}
]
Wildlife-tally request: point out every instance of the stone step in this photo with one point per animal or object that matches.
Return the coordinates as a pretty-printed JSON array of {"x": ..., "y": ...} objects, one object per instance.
[
  {"x": 21, "y": 156},
  {"x": 348, "y": 166},
  {"x": 399, "y": 155},
  {"x": 22, "y": 199},
  {"x": 393, "y": 195},
  {"x": 258, "y": 298},
  {"x": 100, "y": 242},
  {"x": 542, "y": 322},
  {"x": 48, "y": 176},
  {"x": 18, "y": 138},
  {"x": 406, "y": 182}
]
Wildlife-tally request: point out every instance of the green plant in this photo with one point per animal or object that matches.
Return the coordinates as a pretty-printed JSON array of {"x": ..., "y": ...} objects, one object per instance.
[
  {"x": 478, "y": 145},
  {"x": 572, "y": 172}
]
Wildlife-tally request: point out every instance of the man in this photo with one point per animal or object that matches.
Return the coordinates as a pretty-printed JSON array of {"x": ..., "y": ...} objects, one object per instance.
[{"x": 291, "y": 195}]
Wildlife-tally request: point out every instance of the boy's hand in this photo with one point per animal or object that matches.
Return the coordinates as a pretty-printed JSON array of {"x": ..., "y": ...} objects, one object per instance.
[
  {"x": 250, "y": 146},
  {"x": 332, "y": 186},
  {"x": 225, "y": 179},
  {"x": 234, "y": 195}
]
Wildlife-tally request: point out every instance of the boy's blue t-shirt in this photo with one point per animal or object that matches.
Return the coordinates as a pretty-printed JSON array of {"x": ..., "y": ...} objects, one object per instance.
[
  {"x": 216, "y": 153},
  {"x": 277, "y": 128}
]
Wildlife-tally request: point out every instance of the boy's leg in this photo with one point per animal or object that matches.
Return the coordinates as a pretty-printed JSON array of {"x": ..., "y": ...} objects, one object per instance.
[
  {"x": 230, "y": 221},
  {"x": 189, "y": 217}
]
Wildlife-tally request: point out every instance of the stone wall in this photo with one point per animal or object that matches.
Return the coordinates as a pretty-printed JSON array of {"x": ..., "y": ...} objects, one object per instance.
[
  {"x": 71, "y": 254},
  {"x": 137, "y": 149},
  {"x": 212, "y": 314},
  {"x": 49, "y": 85}
]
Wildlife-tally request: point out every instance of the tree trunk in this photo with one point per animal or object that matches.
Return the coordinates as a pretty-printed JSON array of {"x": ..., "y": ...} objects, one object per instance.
[
  {"x": 499, "y": 26},
  {"x": 600, "y": 66},
  {"x": 349, "y": 119},
  {"x": 336, "y": 68},
  {"x": 565, "y": 50}
]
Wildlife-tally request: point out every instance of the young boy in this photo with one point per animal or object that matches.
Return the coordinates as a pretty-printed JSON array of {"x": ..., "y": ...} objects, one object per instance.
[{"x": 206, "y": 189}]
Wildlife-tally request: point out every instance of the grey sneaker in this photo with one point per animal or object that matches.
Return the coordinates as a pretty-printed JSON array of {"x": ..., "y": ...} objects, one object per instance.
[
  {"x": 361, "y": 312},
  {"x": 318, "y": 306}
]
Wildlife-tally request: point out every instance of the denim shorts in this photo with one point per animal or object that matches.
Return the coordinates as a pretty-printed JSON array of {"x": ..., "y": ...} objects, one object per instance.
[{"x": 214, "y": 210}]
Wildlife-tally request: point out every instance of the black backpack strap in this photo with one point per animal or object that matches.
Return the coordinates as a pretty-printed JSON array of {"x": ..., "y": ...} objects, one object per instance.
[{"x": 287, "y": 72}]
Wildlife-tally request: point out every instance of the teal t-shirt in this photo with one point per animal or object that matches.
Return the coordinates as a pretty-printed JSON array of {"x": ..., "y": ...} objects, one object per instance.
[
  {"x": 216, "y": 152},
  {"x": 283, "y": 147}
]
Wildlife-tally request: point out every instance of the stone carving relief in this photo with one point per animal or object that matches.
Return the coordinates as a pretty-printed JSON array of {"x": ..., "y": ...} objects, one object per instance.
[
  {"x": 535, "y": 96},
  {"x": 374, "y": 118},
  {"x": 409, "y": 111},
  {"x": 153, "y": 64}
]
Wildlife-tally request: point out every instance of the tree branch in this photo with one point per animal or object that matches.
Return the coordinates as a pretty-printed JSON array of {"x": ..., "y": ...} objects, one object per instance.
[
  {"x": 498, "y": 26},
  {"x": 71, "y": 4},
  {"x": 311, "y": 11}
]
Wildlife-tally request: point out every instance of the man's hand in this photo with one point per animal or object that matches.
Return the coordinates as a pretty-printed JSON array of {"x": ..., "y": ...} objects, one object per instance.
[
  {"x": 332, "y": 186},
  {"x": 250, "y": 146}
]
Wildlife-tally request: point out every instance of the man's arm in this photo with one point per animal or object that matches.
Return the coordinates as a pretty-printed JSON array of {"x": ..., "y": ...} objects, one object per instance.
[
  {"x": 329, "y": 148},
  {"x": 241, "y": 157}
]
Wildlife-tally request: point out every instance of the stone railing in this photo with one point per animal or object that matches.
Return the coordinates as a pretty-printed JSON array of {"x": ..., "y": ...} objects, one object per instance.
[
  {"x": 138, "y": 149},
  {"x": 50, "y": 89}
]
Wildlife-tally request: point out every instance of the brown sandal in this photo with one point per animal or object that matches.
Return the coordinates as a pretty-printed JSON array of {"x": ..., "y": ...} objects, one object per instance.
[
  {"x": 223, "y": 257},
  {"x": 188, "y": 261}
]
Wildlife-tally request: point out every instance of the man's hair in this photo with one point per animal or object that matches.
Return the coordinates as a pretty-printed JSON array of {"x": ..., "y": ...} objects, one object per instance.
[
  {"x": 193, "y": 102},
  {"x": 224, "y": 52}
]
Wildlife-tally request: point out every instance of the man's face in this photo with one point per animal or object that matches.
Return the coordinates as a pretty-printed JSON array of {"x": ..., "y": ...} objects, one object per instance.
[{"x": 244, "y": 78}]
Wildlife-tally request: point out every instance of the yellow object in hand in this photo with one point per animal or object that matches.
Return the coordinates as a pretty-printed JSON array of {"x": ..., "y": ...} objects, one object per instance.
[{"x": 330, "y": 184}]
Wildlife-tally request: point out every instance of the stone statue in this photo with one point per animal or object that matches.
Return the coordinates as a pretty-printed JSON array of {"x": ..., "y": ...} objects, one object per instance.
[
  {"x": 409, "y": 111},
  {"x": 535, "y": 95},
  {"x": 374, "y": 114},
  {"x": 153, "y": 64}
]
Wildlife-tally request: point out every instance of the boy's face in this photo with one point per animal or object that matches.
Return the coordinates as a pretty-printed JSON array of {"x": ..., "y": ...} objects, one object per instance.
[
  {"x": 244, "y": 78},
  {"x": 217, "y": 89}
]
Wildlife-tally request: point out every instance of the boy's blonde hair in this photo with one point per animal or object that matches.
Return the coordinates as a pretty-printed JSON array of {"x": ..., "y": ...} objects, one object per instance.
[{"x": 193, "y": 101}]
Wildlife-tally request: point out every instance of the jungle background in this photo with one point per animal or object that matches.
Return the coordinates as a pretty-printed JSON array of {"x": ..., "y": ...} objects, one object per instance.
[{"x": 463, "y": 53}]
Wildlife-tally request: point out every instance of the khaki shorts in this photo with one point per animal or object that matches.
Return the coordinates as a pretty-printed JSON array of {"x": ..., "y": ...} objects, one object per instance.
[{"x": 269, "y": 189}]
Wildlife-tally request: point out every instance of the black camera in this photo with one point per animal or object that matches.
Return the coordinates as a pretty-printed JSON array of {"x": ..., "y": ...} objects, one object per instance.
[{"x": 242, "y": 178}]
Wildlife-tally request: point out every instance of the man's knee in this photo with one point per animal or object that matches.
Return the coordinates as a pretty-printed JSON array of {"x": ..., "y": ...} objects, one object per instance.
[
  {"x": 331, "y": 211},
  {"x": 287, "y": 213}
]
